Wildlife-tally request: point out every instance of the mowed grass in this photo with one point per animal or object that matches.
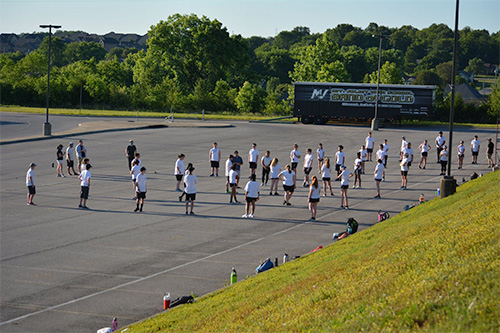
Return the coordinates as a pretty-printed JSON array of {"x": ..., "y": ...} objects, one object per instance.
[{"x": 435, "y": 267}]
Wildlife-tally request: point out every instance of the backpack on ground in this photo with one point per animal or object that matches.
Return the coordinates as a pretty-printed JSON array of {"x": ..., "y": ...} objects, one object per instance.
[
  {"x": 264, "y": 266},
  {"x": 352, "y": 226}
]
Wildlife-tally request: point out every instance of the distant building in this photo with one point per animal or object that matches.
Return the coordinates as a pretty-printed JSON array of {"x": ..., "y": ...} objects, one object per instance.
[{"x": 469, "y": 94}]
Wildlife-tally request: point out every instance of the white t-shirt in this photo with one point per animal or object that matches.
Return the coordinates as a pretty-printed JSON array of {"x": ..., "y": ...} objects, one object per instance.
[
  {"x": 308, "y": 160},
  {"x": 379, "y": 171},
  {"x": 135, "y": 159},
  {"x": 232, "y": 177},
  {"x": 214, "y": 155},
  {"x": 357, "y": 164},
  {"x": 403, "y": 145},
  {"x": 136, "y": 170},
  {"x": 404, "y": 164},
  {"x": 424, "y": 148},
  {"x": 253, "y": 154},
  {"x": 440, "y": 140},
  {"x": 475, "y": 145},
  {"x": 266, "y": 160},
  {"x": 140, "y": 183},
  {"x": 461, "y": 149},
  {"x": 409, "y": 151},
  {"x": 315, "y": 192},
  {"x": 179, "y": 167},
  {"x": 443, "y": 156},
  {"x": 325, "y": 172},
  {"x": 253, "y": 189},
  {"x": 364, "y": 154},
  {"x": 84, "y": 177},
  {"x": 320, "y": 153},
  {"x": 345, "y": 177},
  {"x": 380, "y": 154},
  {"x": 294, "y": 156},
  {"x": 190, "y": 181},
  {"x": 288, "y": 177},
  {"x": 369, "y": 142},
  {"x": 70, "y": 154},
  {"x": 229, "y": 164},
  {"x": 386, "y": 148},
  {"x": 339, "y": 157},
  {"x": 275, "y": 171},
  {"x": 30, "y": 173}
]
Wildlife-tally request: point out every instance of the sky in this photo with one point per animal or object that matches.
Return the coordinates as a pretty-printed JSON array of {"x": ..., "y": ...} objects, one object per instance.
[{"x": 263, "y": 18}]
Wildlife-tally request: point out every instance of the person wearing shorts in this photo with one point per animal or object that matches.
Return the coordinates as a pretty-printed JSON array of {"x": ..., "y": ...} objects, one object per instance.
[
  {"x": 227, "y": 169},
  {"x": 289, "y": 183},
  {"x": 294, "y": 157},
  {"x": 275, "y": 171},
  {"x": 402, "y": 149},
  {"x": 326, "y": 170},
  {"x": 179, "y": 171},
  {"x": 357, "y": 170},
  {"x": 141, "y": 189},
  {"x": 461, "y": 154},
  {"x": 404, "y": 171},
  {"x": 369, "y": 144},
  {"x": 214, "y": 158},
  {"x": 252, "y": 195},
  {"x": 378, "y": 175},
  {"x": 308, "y": 161},
  {"x": 489, "y": 153},
  {"x": 239, "y": 162},
  {"x": 190, "y": 180},
  {"x": 339, "y": 160},
  {"x": 84, "y": 178},
  {"x": 320, "y": 153},
  {"x": 380, "y": 154},
  {"x": 424, "y": 150},
  {"x": 59, "y": 159},
  {"x": 253, "y": 157},
  {"x": 265, "y": 162},
  {"x": 313, "y": 197},
  {"x": 443, "y": 159},
  {"x": 474, "y": 147},
  {"x": 344, "y": 186},
  {"x": 135, "y": 171},
  {"x": 30, "y": 183},
  {"x": 70, "y": 158},
  {"x": 233, "y": 184},
  {"x": 440, "y": 141},
  {"x": 409, "y": 150},
  {"x": 386, "y": 151},
  {"x": 81, "y": 153},
  {"x": 364, "y": 156}
]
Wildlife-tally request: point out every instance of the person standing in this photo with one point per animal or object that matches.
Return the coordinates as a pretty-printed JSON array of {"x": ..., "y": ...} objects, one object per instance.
[
  {"x": 344, "y": 186},
  {"x": 252, "y": 195},
  {"x": 233, "y": 183},
  {"x": 129, "y": 152},
  {"x": 275, "y": 172},
  {"x": 409, "y": 151},
  {"x": 424, "y": 149},
  {"x": 474, "y": 147},
  {"x": 380, "y": 154},
  {"x": 214, "y": 158},
  {"x": 320, "y": 153},
  {"x": 489, "y": 153},
  {"x": 369, "y": 144},
  {"x": 186, "y": 173},
  {"x": 141, "y": 189},
  {"x": 136, "y": 170},
  {"x": 84, "y": 178},
  {"x": 313, "y": 197},
  {"x": 81, "y": 153},
  {"x": 326, "y": 170},
  {"x": 386, "y": 151},
  {"x": 190, "y": 180},
  {"x": 227, "y": 169},
  {"x": 440, "y": 141},
  {"x": 364, "y": 155},
  {"x": 404, "y": 171},
  {"x": 179, "y": 171},
  {"x": 339, "y": 160},
  {"x": 289, "y": 183},
  {"x": 443, "y": 159},
  {"x": 30, "y": 183},
  {"x": 253, "y": 157},
  {"x": 461, "y": 154},
  {"x": 137, "y": 157},
  {"x": 238, "y": 161},
  {"x": 60, "y": 158},
  {"x": 70, "y": 159},
  {"x": 357, "y": 170},
  {"x": 308, "y": 162},
  {"x": 378, "y": 174},
  {"x": 294, "y": 157},
  {"x": 265, "y": 161},
  {"x": 403, "y": 148}
]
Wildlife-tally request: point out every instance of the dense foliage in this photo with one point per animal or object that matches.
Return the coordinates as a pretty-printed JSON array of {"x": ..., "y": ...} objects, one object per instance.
[{"x": 193, "y": 63}]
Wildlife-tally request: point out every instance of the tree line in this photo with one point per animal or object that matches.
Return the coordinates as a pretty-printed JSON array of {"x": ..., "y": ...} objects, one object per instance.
[{"x": 193, "y": 63}]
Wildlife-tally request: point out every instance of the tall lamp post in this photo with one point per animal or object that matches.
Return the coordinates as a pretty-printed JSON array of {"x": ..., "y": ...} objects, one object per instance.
[
  {"x": 375, "y": 118},
  {"x": 47, "y": 127}
]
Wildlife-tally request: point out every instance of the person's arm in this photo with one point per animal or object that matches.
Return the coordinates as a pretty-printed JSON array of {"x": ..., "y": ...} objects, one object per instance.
[
  {"x": 294, "y": 181},
  {"x": 219, "y": 154},
  {"x": 210, "y": 155},
  {"x": 262, "y": 162},
  {"x": 310, "y": 193}
]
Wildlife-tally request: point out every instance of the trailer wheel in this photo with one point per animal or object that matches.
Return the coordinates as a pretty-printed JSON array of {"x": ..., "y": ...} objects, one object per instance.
[
  {"x": 307, "y": 120},
  {"x": 320, "y": 121}
]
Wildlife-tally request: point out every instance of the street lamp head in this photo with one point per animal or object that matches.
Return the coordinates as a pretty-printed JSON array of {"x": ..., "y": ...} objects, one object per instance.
[{"x": 45, "y": 26}]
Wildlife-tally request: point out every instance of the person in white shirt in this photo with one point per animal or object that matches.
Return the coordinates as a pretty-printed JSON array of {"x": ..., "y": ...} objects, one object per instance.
[
  {"x": 81, "y": 153},
  {"x": 369, "y": 144},
  {"x": 357, "y": 170},
  {"x": 377, "y": 176},
  {"x": 344, "y": 185},
  {"x": 313, "y": 197},
  {"x": 474, "y": 147},
  {"x": 339, "y": 160},
  {"x": 186, "y": 173},
  {"x": 404, "y": 171},
  {"x": 135, "y": 171},
  {"x": 424, "y": 150},
  {"x": 252, "y": 194},
  {"x": 403, "y": 148},
  {"x": 179, "y": 171},
  {"x": 229, "y": 164},
  {"x": 265, "y": 162},
  {"x": 461, "y": 154},
  {"x": 85, "y": 185},
  {"x": 294, "y": 157},
  {"x": 233, "y": 183},
  {"x": 30, "y": 183},
  {"x": 326, "y": 169},
  {"x": 70, "y": 159},
  {"x": 137, "y": 157},
  {"x": 409, "y": 151},
  {"x": 289, "y": 183},
  {"x": 190, "y": 180},
  {"x": 380, "y": 154},
  {"x": 386, "y": 151},
  {"x": 308, "y": 161},
  {"x": 275, "y": 172},
  {"x": 440, "y": 141},
  {"x": 141, "y": 189},
  {"x": 320, "y": 154},
  {"x": 253, "y": 157},
  {"x": 443, "y": 159},
  {"x": 214, "y": 158},
  {"x": 364, "y": 156}
]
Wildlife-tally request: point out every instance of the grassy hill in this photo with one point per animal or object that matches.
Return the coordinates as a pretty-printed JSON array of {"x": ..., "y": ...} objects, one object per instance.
[{"x": 435, "y": 267}]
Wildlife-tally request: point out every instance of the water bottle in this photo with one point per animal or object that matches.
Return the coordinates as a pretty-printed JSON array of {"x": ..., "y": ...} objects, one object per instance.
[
  {"x": 166, "y": 301},
  {"x": 285, "y": 258},
  {"x": 421, "y": 199},
  {"x": 234, "y": 276}
]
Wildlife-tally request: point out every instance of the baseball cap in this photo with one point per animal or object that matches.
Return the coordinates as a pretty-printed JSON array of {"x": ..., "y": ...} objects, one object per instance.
[{"x": 32, "y": 165}]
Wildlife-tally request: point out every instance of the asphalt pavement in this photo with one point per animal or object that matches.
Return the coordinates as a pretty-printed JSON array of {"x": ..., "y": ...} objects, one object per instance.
[{"x": 67, "y": 269}]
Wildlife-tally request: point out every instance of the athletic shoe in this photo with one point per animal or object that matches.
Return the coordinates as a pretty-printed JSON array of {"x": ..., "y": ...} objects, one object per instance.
[
  {"x": 276, "y": 193},
  {"x": 85, "y": 207},
  {"x": 227, "y": 191},
  {"x": 136, "y": 210},
  {"x": 341, "y": 207},
  {"x": 80, "y": 206},
  {"x": 180, "y": 198},
  {"x": 29, "y": 204},
  {"x": 288, "y": 204},
  {"x": 270, "y": 193},
  {"x": 60, "y": 175},
  {"x": 63, "y": 176},
  {"x": 332, "y": 194},
  {"x": 178, "y": 190},
  {"x": 346, "y": 207},
  {"x": 192, "y": 213},
  {"x": 211, "y": 175},
  {"x": 323, "y": 195},
  {"x": 251, "y": 216},
  {"x": 312, "y": 219},
  {"x": 284, "y": 203},
  {"x": 423, "y": 168},
  {"x": 245, "y": 216},
  {"x": 187, "y": 213},
  {"x": 419, "y": 167},
  {"x": 140, "y": 210},
  {"x": 383, "y": 179},
  {"x": 377, "y": 196},
  {"x": 217, "y": 175},
  {"x": 262, "y": 184},
  {"x": 335, "y": 236}
]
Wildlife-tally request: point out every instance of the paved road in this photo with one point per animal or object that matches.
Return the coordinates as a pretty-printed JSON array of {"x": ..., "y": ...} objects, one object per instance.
[{"x": 65, "y": 269}]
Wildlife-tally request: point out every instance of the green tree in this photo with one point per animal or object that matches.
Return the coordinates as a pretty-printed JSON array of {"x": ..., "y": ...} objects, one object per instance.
[
  {"x": 84, "y": 51},
  {"x": 389, "y": 74},
  {"x": 285, "y": 39},
  {"x": 427, "y": 77},
  {"x": 476, "y": 66},
  {"x": 493, "y": 103},
  {"x": 251, "y": 98},
  {"x": 224, "y": 96},
  {"x": 276, "y": 62},
  {"x": 57, "y": 48},
  {"x": 444, "y": 71}
]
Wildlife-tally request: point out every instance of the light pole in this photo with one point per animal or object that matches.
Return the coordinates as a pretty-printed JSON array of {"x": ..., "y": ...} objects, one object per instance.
[
  {"x": 375, "y": 118},
  {"x": 47, "y": 128}
]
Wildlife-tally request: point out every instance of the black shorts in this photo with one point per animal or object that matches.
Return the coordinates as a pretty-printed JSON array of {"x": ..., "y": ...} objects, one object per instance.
[
  {"x": 344, "y": 187},
  {"x": 378, "y": 180},
  {"x": 84, "y": 193},
  {"x": 178, "y": 177},
  {"x": 314, "y": 200},
  {"x": 69, "y": 163},
  {"x": 252, "y": 165},
  {"x": 32, "y": 190},
  {"x": 288, "y": 188},
  {"x": 475, "y": 153},
  {"x": 232, "y": 184},
  {"x": 307, "y": 170},
  {"x": 424, "y": 154},
  {"x": 320, "y": 159},
  {"x": 214, "y": 164},
  {"x": 250, "y": 200},
  {"x": 141, "y": 195},
  {"x": 190, "y": 196},
  {"x": 369, "y": 150},
  {"x": 337, "y": 167},
  {"x": 294, "y": 165},
  {"x": 409, "y": 164},
  {"x": 326, "y": 179},
  {"x": 404, "y": 173},
  {"x": 461, "y": 155}
]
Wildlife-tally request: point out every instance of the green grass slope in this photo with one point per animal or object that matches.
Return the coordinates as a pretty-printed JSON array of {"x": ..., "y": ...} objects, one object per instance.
[{"x": 435, "y": 267}]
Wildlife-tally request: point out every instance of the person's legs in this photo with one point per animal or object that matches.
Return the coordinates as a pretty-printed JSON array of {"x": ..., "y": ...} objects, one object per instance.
[
  {"x": 378, "y": 187},
  {"x": 192, "y": 205},
  {"x": 345, "y": 198},
  {"x": 187, "y": 206},
  {"x": 253, "y": 207}
]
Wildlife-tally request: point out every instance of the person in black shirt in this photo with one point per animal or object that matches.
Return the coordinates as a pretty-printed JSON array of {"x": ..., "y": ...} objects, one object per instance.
[
  {"x": 489, "y": 153},
  {"x": 130, "y": 153},
  {"x": 59, "y": 158}
]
